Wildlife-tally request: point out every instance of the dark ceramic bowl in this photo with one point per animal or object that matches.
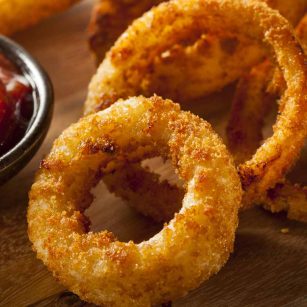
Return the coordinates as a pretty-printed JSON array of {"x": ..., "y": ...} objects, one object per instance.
[{"x": 17, "y": 157}]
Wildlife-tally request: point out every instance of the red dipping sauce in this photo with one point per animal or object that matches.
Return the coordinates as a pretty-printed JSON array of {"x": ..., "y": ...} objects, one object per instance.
[{"x": 16, "y": 104}]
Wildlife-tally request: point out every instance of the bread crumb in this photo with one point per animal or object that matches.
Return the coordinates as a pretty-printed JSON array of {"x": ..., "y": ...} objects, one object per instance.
[{"x": 284, "y": 230}]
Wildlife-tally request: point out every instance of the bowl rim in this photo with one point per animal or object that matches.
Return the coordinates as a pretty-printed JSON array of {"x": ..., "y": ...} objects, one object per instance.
[{"x": 43, "y": 106}]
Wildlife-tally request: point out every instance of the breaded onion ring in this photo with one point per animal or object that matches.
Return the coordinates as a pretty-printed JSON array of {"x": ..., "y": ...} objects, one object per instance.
[
  {"x": 194, "y": 245},
  {"x": 255, "y": 94},
  {"x": 125, "y": 71},
  {"x": 16, "y": 15},
  {"x": 110, "y": 18},
  {"x": 256, "y": 91},
  {"x": 209, "y": 60}
]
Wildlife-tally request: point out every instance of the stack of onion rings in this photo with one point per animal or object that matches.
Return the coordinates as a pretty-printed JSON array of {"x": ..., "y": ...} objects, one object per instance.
[
  {"x": 194, "y": 245},
  {"x": 198, "y": 240},
  {"x": 130, "y": 61}
]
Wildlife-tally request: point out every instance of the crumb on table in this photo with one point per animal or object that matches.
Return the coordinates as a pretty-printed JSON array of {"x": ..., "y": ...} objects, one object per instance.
[{"x": 284, "y": 230}]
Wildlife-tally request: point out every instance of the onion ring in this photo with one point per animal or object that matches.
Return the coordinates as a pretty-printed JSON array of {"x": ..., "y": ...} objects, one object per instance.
[
  {"x": 17, "y": 15},
  {"x": 194, "y": 56},
  {"x": 191, "y": 248},
  {"x": 111, "y": 18},
  {"x": 127, "y": 64},
  {"x": 255, "y": 93}
]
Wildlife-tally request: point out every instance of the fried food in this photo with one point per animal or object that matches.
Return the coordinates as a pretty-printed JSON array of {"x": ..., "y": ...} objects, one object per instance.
[
  {"x": 17, "y": 15},
  {"x": 111, "y": 18},
  {"x": 208, "y": 60},
  {"x": 193, "y": 246},
  {"x": 126, "y": 68},
  {"x": 255, "y": 94}
]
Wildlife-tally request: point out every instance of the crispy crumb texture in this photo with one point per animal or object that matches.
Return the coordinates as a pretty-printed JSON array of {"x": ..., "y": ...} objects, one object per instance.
[
  {"x": 111, "y": 18},
  {"x": 193, "y": 246},
  {"x": 129, "y": 69},
  {"x": 255, "y": 94}
]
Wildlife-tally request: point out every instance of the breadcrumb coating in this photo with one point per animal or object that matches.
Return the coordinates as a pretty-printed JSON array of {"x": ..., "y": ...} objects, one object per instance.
[
  {"x": 127, "y": 70},
  {"x": 255, "y": 94},
  {"x": 110, "y": 18},
  {"x": 193, "y": 246}
]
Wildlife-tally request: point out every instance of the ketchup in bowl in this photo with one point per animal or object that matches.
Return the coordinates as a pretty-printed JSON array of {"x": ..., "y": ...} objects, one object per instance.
[{"x": 16, "y": 104}]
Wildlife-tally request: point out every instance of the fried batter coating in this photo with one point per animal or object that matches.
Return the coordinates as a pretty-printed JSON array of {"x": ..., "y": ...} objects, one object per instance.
[
  {"x": 255, "y": 94},
  {"x": 17, "y": 15},
  {"x": 110, "y": 18},
  {"x": 208, "y": 60},
  {"x": 126, "y": 68},
  {"x": 193, "y": 246}
]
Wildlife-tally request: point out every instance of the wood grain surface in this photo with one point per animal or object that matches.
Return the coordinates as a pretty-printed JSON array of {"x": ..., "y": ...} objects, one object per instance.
[{"x": 267, "y": 268}]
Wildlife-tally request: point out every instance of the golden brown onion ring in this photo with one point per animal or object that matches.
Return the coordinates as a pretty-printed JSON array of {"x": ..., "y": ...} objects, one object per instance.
[
  {"x": 255, "y": 93},
  {"x": 127, "y": 65},
  {"x": 193, "y": 246},
  {"x": 110, "y": 18},
  {"x": 251, "y": 103},
  {"x": 16, "y": 15},
  {"x": 192, "y": 55}
]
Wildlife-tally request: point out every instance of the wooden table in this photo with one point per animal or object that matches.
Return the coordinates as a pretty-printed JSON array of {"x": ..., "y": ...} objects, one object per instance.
[{"x": 268, "y": 268}]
